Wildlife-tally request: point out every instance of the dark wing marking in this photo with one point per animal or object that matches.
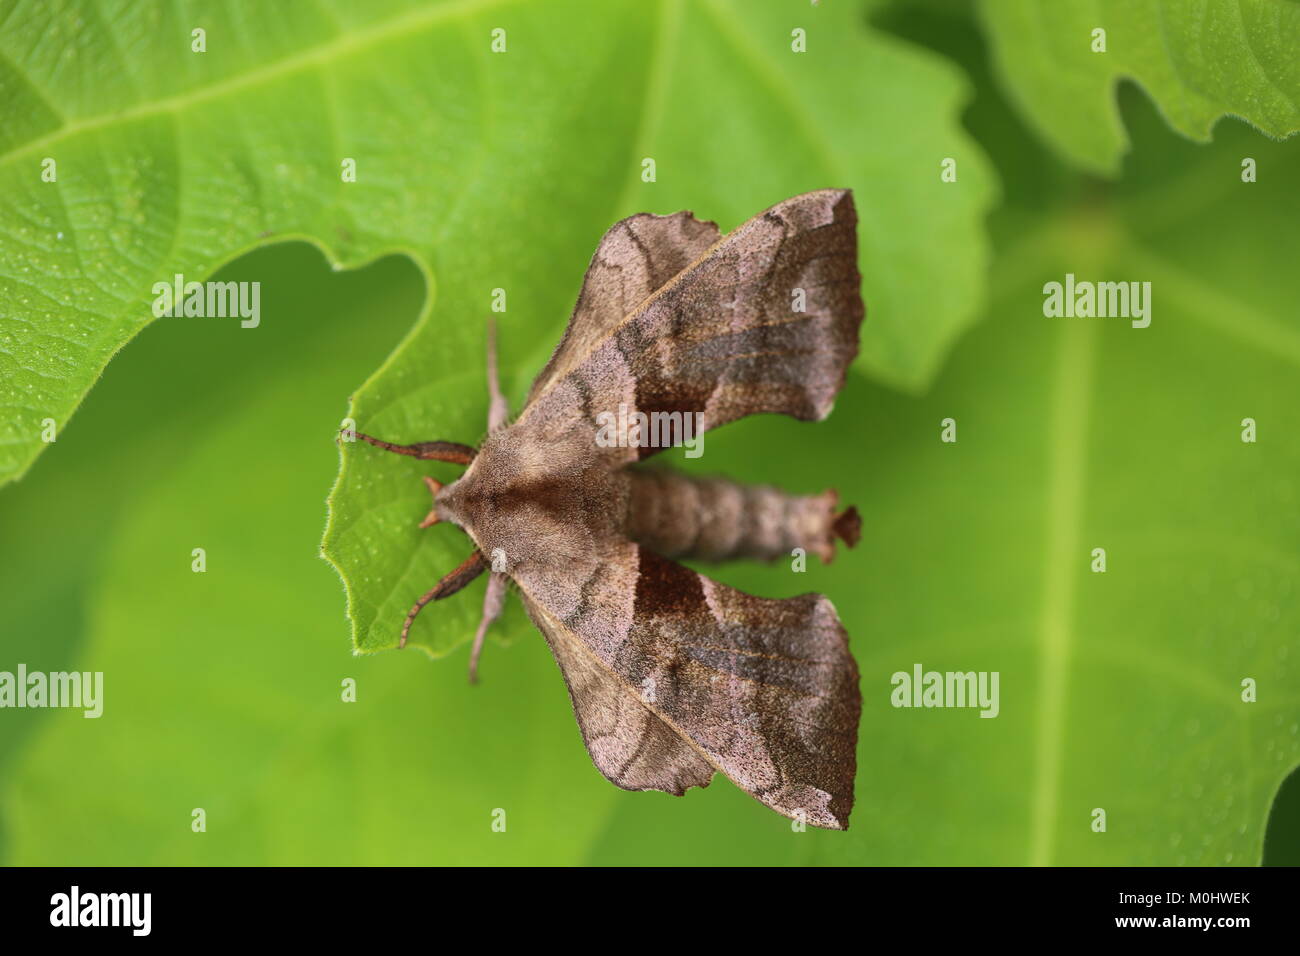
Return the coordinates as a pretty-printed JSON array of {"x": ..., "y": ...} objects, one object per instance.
[{"x": 635, "y": 257}]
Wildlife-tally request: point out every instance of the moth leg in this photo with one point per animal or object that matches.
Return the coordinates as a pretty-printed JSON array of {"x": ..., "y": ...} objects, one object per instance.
[
  {"x": 498, "y": 409},
  {"x": 493, "y": 602},
  {"x": 468, "y": 570},
  {"x": 451, "y": 451}
]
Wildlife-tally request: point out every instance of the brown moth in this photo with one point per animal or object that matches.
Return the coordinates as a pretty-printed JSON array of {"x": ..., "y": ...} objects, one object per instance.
[{"x": 674, "y": 676}]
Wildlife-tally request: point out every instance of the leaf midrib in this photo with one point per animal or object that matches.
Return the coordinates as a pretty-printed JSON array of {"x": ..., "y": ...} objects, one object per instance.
[{"x": 1067, "y": 465}]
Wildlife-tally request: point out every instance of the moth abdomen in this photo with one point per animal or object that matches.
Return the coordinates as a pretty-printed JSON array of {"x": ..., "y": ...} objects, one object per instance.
[{"x": 717, "y": 519}]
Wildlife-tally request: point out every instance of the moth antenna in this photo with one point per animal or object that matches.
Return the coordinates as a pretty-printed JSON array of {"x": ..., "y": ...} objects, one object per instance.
[
  {"x": 451, "y": 451},
  {"x": 847, "y": 526},
  {"x": 498, "y": 408},
  {"x": 435, "y": 486},
  {"x": 468, "y": 570},
  {"x": 493, "y": 601}
]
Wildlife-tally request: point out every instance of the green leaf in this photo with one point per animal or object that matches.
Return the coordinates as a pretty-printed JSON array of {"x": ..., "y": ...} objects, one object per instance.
[
  {"x": 490, "y": 169},
  {"x": 1198, "y": 61}
]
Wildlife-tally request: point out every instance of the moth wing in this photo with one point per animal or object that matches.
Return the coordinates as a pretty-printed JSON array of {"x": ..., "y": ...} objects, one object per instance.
[
  {"x": 636, "y": 257},
  {"x": 630, "y": 745},
  {"x": 763, "y": 690},
  {"x": 766, "y": 321}
]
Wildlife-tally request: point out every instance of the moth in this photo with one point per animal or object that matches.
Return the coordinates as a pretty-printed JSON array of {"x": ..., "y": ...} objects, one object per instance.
[{"x": 674, "y": 676}]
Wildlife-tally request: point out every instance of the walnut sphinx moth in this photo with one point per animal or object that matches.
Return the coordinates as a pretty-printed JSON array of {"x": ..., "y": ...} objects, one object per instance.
[{"x": 674, "y": 676}]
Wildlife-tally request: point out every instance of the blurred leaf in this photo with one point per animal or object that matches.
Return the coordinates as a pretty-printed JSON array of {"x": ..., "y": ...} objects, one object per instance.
[
  {"x": 176, "y": 381},
  {"x": 1198, "y": 61},
  {"x": 493, "y": 170}
]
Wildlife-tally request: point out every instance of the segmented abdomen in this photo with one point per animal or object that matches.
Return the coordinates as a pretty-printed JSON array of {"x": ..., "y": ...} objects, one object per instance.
[{"x": 714, "y": 519}]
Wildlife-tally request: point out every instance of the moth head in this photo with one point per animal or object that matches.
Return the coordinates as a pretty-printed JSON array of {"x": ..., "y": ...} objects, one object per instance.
[
  {"x": 447, "y": 451},
  {"x": 441, "y": 510}
]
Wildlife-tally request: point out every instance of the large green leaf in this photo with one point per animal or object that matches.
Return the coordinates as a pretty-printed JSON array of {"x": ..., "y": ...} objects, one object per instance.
[
  {"x": 491, "y": 169},
  {"x": 1198, "y": 59}
]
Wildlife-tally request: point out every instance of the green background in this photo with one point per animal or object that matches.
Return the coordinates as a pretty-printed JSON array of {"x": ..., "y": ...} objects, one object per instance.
[{"x": 1119, "y": 690}]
